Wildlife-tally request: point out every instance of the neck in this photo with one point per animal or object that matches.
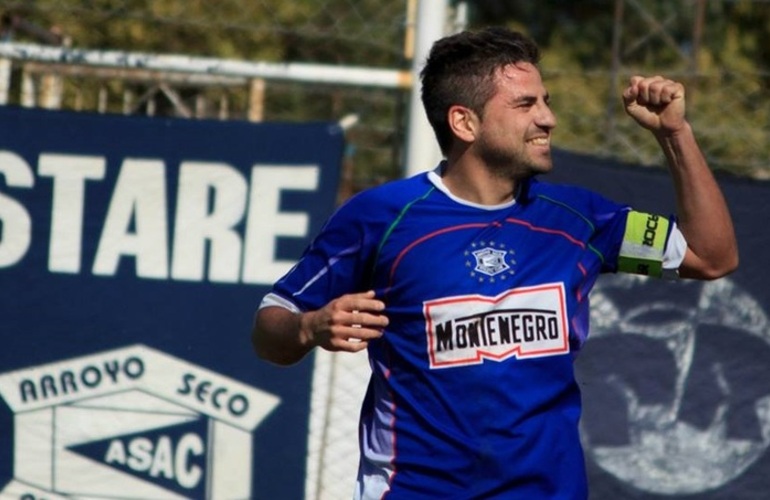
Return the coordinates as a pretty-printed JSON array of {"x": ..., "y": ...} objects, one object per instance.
[{"x": 474, "y": 182}]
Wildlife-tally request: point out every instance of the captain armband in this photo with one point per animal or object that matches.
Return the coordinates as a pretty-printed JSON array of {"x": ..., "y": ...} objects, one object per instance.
[{"x": 644, "y": 244}]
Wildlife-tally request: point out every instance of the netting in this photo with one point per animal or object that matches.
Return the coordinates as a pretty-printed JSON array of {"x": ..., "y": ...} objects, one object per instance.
[
  {"x": 729, "y": 93},
  {"x": 332, "y": 33}
]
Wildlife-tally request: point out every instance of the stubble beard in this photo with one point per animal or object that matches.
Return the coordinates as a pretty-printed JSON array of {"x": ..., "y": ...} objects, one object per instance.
[{"x": 513, "y": 165}]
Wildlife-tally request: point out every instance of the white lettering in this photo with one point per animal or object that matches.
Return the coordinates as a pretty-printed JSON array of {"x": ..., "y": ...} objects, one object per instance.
[
  {"x": 266, "y": 222},
  {"x": 140, "y": 454},
  {"x": 161, "y": 458},
  {"x": 163, "y": 463},
  {"x": 116, "y": 453},
  {"x": 210, "y": 202},
  {"x": 69, "y": 175},
  {"x": 188, "y": 476},
  {"x": 139, "y": 200},
  {"x": 15, "y": 222},
  {"x": 226, "y": 227}
]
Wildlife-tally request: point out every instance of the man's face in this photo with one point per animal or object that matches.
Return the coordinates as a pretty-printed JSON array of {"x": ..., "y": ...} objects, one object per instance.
[{"x": 515, "y": 135}]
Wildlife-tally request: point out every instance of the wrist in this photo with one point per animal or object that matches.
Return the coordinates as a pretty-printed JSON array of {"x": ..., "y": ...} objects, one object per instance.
[
  {"x": 672, "y": 134},
  {"x": 305, "y": 329}
]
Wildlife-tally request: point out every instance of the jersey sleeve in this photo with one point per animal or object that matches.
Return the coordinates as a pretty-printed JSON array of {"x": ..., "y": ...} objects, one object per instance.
[
  {"x": 632, "y": 241},
  {"x": 333, "y": 264}
]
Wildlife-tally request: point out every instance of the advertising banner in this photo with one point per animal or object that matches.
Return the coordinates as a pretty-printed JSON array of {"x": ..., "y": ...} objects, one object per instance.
[
  {"x": 133, "y": 253},
  {"x": 674, "y": 375}
]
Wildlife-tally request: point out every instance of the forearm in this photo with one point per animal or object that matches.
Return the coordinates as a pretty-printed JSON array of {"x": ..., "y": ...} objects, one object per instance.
[
  {"x": 347, "y": 323},
  {"x": 277, "y": 336},
  {"x": 703, "y": 216}
]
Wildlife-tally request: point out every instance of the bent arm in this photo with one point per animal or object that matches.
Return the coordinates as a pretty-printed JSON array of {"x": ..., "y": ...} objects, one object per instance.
[
  {"x": 346, "y": 324},
  {"x": 703, "y": 216},
  {"x": 277, "y": 336},
  {"x": 658, "y": 104}
]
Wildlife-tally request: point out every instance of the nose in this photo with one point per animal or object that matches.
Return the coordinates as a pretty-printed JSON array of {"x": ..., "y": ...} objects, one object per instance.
[{"x": 545, "y": 116}]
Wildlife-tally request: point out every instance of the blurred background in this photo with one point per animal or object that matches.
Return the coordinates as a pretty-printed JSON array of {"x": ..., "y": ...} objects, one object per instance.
[
  {"x": 719, "y": 48},
  {"x": 277, "y": 60}
]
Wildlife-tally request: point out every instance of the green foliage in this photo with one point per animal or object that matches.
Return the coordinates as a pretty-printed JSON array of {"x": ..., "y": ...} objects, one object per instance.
[{"x": 723, "y": 58}]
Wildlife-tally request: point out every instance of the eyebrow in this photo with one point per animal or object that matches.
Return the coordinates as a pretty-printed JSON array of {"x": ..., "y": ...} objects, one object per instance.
[{"x": 530, "y": 99}]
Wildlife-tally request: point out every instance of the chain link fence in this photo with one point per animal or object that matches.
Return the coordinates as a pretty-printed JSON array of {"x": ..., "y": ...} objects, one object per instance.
[
  {"x": 729, "y": 104},
  {"x": 338, "y": 33}
]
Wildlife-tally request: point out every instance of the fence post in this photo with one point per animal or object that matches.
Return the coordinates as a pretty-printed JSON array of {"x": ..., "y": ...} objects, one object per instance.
[
  {"x": 51, "y": 89},
  {"x": 28, "y": 88},
  {"x": 422, "y": 151},
  {"x": 256, "y": 99},
  {"x": 5, "y": 79}
]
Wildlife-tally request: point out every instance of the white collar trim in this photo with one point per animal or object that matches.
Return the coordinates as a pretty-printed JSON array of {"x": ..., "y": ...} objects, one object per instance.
[{"x": 435, "y": 178}]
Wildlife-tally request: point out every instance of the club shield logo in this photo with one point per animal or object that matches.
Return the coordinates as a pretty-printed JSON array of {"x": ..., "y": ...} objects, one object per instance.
[{"x": 135, "y": 421}]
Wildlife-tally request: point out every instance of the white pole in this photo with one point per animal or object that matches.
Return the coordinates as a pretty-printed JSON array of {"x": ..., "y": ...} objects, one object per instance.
[
  {"x": 5, "y": 79},
  {"x": 191, "y": 65},
  {"x": 422, "y": 151}
]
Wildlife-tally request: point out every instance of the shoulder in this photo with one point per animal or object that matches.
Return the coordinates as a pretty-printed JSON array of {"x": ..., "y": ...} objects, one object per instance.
[
  {"x": 371, "y": 211},
  {"x": 392, "y": 195},
  {"x": 570, "y": 197},
  {"x": 538, "y": 187},
  {"x": 574, "y": 209}
]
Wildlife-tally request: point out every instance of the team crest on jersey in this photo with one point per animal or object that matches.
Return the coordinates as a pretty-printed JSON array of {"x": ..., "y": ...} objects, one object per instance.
[
  {"x": 527, "y": 322},
  {"x": 489, "y": 261}
]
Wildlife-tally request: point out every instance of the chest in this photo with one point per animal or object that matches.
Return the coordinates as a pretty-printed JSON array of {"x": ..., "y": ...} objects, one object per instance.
[
  {"x": 487, "y": 254},
  {"x": 466, "y": 289}
]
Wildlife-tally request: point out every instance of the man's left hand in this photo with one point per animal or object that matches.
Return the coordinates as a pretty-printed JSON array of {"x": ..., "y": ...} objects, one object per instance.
[{"x": 656, "y": 103}]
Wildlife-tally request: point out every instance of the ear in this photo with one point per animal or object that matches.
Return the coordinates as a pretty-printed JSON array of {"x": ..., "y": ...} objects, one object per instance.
[{"x": 463, "y": 122}]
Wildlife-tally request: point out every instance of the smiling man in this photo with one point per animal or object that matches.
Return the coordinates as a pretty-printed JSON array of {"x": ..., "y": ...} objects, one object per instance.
[{"x": 468, "y": 285}]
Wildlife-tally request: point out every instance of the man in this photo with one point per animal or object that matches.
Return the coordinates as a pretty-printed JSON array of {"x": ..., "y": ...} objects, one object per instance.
[{"x": 468, "y": 285}]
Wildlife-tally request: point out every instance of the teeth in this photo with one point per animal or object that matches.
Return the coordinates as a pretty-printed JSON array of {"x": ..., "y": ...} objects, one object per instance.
[{"x": 540, "y": 141}]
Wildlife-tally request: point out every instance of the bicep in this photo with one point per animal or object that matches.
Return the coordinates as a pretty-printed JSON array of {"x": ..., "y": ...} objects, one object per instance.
[
  {"x": 275, "y": 335},
  {"x": 273, "y": 321}
]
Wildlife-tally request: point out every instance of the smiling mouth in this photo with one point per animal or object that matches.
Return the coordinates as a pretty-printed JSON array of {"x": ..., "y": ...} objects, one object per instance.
[{"x": 539, "y": 141}]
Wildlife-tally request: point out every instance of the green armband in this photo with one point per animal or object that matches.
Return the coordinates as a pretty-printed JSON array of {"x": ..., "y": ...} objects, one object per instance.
[{"x": 643, "y": 244}]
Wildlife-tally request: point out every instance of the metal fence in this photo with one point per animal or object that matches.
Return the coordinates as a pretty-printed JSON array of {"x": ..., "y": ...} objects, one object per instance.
[
  {"x": 227, "y": 60},
  {"x": 728, "y": 103}
]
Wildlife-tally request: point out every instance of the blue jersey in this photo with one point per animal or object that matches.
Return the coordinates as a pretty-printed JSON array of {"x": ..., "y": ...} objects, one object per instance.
[{"x": 472, "y": 393}]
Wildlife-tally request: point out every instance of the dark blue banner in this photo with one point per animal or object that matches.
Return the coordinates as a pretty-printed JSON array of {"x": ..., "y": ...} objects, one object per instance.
[
  {"x": 674, "y": 375},
  {"x": 133, "y": 253}
]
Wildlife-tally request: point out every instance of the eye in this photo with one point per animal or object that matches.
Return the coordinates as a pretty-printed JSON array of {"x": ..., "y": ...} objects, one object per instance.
[{"x": 526, "y": 103}]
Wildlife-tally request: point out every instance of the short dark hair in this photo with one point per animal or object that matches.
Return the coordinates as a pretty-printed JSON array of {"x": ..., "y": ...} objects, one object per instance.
[{"x": 460, "y": 70}]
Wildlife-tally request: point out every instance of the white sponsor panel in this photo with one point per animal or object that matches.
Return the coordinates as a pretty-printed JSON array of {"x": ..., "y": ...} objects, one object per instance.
[{"x": 524, "y": 322}]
